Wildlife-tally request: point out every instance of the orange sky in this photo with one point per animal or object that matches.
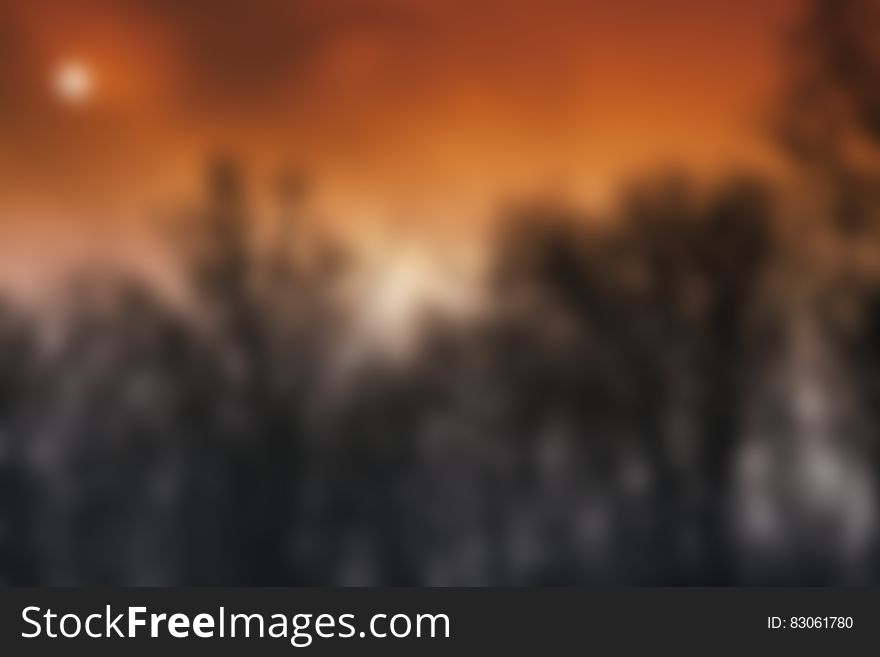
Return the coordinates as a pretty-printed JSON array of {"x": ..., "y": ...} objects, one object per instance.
[{"x": 423, "y": 111}]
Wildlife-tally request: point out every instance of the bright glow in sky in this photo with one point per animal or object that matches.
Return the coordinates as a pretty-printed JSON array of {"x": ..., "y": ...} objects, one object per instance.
[
  {"x": 74, "y": 82},
  {"x": 417, "y": 117}
]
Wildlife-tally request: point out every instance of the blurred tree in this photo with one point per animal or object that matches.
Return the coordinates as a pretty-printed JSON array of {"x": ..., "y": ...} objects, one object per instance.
[{"x": 19, "y": 564}]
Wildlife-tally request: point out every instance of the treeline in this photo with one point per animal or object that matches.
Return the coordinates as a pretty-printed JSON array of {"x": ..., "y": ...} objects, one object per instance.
[{"x": 634, "y": 404}]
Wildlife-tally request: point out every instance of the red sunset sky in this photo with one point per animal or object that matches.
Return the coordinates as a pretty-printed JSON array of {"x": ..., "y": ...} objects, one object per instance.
[{"x": 419, "y": 111}]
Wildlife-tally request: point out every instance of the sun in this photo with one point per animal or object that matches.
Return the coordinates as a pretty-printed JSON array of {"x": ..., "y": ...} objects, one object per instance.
[{"x": 74, "y": 82}]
